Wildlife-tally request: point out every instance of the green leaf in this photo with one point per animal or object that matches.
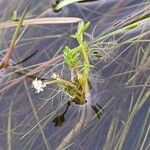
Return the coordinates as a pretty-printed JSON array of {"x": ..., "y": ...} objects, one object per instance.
[
  {"x": 14, "y": 16},
  {"x": 80, "y": 27},
  {"x": 19, "y": 26},
  {"x": 80, "y": 31},
  {"x": 71, "y": 57},
  {"x": 85, "y": 27}
]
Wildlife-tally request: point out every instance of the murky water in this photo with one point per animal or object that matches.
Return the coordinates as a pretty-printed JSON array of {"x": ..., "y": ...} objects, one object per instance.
[{"x": 120, "y": 80}]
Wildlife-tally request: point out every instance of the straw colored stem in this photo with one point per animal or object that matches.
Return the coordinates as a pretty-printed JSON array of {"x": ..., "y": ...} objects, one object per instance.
[{"x": 38, "y": 21}]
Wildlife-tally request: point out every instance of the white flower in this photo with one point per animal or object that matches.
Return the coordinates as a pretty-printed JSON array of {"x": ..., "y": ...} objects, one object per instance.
[
  {"x": 55, "y": 76},
  {"x": 38, "y": 85}
]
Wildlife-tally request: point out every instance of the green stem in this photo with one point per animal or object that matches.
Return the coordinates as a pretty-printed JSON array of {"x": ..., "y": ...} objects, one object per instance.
[
  {"x": 84, "y": 83},
  {"x": 5, "y": 60},
  {"x": 50, "y": 82},
  {"x": 62, "y": 82},
  {"x": 125, "y": 28},
  {"x": 76, "y": 93},
  {"x": 86, "y": 60},
  {"x": 65, "y": 82},
  {"x": 19, "y": 26}
]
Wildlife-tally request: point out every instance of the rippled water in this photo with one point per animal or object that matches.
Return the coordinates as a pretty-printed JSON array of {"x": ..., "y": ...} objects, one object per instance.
[{"x": 21, "y": 108}]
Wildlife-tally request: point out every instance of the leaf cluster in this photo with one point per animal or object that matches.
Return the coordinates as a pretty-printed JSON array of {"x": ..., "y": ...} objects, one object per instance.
[{"x": 71, "y": 57}]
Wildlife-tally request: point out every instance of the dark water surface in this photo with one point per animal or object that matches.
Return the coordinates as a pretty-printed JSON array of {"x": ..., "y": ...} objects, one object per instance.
[{"x": 21, "y": 108}]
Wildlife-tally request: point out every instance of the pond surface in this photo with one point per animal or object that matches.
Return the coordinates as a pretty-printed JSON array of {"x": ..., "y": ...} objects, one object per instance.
[{"x": 119, "y": 79}]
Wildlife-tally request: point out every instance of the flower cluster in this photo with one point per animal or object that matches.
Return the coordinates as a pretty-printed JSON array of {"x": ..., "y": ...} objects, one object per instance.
[
  {"x": 38, "y": 85},
  {"x": 55, "y": 76}
]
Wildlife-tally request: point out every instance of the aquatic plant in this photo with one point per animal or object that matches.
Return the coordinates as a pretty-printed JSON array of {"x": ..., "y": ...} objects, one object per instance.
[{"x": 114, "y": 112}]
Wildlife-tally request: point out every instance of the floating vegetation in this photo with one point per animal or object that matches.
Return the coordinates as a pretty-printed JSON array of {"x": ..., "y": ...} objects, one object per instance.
[{"x": 77, "y": 79}]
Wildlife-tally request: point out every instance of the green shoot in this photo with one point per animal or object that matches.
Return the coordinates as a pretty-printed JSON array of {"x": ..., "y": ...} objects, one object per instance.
[
  {"x": 19, "y": 26},
  {"x": 5, "y": 60},
  {"x": 80, "y": 31},
  {"x": 14, "y": 16},
  {"x": 79, "y": 57},
  {"x": 127, "y": 27},
  {"x": 71, "y": 57}
]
